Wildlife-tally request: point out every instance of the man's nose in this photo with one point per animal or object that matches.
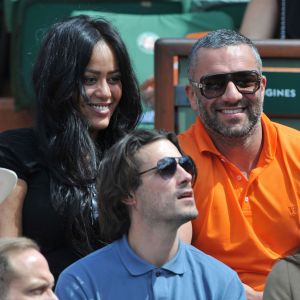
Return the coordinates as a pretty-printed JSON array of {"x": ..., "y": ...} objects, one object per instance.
[
  {"x": 232, "y": 93},
  {"x": 183, "y": 175}
]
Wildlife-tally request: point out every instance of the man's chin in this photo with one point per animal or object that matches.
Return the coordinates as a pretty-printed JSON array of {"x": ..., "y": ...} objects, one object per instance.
[{"x": 192, "y": 215}]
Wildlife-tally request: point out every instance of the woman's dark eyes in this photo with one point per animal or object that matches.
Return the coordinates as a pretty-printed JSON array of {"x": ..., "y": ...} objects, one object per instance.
[
  {"x": 93, "y": 80},
  {"x": 89, "y": 80},
  {"x": 114, "y": 79}
]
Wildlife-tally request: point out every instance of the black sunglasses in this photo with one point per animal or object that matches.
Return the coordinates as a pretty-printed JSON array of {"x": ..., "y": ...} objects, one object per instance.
[
  {"x": 212, "y": 86},
  {"x": 166, "y": 167}
]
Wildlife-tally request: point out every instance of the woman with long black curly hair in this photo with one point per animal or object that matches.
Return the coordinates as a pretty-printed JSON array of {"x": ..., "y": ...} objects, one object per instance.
[{"x": 87, "y": 98}]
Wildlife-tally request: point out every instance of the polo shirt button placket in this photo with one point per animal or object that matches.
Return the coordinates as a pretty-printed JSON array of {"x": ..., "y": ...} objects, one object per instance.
[{"x": 160, "y": 284}]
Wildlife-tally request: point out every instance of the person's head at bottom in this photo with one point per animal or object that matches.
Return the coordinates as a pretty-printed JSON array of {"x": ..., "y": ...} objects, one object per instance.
[{"x": 24, "y": 271}]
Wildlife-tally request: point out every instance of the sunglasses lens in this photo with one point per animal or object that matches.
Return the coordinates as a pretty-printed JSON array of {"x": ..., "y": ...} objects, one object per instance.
[
  {"x": 166, "y": 167},
  {"x": 188, "y": 165},
  {"x": 214, "y": 86},
  {"x": 247, "y": 82}
]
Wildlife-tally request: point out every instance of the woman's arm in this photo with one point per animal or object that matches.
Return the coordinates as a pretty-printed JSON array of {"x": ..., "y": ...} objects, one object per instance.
[
  {"x": 11, "y": 211},
  {"x": 260, "y": 19}
]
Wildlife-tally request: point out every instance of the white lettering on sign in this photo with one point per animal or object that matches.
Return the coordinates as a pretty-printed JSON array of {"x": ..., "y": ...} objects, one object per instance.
[{"x": 281, "y": 93}]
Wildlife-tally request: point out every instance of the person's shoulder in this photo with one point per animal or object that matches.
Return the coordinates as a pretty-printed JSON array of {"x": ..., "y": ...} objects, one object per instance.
[
  {"x": 281, "y": 282},
  {"x": 218, "y": 279},
  {"x": 19, "y": 140},
  {"x": 286, "y": 131},
  {"x": 208, "y": 262},
  {"x": 188, "y": 133},
  {"x": 19, "y": 151},
  {"x": 91, "y": 275},
  {"x": 202, "y": 257},
  {"x": 290, "y": 262},
  {"x": 278, "y": 273},
  {"x": 188, "y": 138},
  {"x": 284, "y": 266},
  {"x": 295, "y": 258},
  {"x": 288, "y": 139},
  {"x": 19, "y": 133},
  {"x": 280, "y": 266},
  {"x": 97, "y": 260},
  {"x": 216, "y": 275},
  {"x": 285, "y": 128}
]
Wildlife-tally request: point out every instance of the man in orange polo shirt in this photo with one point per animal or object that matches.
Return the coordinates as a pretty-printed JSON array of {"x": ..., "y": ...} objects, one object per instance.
[{"x": 248, "y": 188}]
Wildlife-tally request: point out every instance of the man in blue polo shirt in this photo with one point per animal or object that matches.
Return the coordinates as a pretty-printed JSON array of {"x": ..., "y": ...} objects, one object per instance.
[{"x": 145, "y": 195}]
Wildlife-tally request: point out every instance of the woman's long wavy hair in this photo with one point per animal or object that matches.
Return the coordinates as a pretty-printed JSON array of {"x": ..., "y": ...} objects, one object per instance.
[
  {"x": 120, "y": 169},
  {"x": 68, "y": 150}
]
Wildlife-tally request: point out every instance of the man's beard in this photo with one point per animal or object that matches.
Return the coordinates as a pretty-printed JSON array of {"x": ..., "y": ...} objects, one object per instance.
[{"x": 253, "y": 109}]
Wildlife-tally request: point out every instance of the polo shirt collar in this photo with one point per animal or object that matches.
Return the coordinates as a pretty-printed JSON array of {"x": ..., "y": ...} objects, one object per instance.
[
  {"x": 137, "y": 266},
  {"x": 270, "y": 137},
  {"x": 203, "y": 140}
]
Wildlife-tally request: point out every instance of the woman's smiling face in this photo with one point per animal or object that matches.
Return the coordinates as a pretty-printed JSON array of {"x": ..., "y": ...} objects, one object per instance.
[{"x": 102, "y": 83}]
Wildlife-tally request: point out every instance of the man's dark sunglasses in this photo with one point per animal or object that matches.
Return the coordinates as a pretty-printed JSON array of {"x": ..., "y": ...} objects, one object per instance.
[
  {"x": 213, "y": 86},
  {"x": 166, "y": 167}
]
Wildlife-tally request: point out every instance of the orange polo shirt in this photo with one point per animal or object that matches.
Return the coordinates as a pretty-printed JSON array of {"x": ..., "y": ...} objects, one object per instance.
[{"x": 247, "y": 224}]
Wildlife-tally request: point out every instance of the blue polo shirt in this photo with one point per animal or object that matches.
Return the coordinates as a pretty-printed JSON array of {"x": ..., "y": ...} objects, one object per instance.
[{"x": 116, "y": 272}]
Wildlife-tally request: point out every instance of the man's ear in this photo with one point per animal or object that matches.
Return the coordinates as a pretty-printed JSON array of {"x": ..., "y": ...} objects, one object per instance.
[
  {"x": 129, "y": 201},
  {"x": 191, "y": 95},
  {"x": 263, "y": 82}
]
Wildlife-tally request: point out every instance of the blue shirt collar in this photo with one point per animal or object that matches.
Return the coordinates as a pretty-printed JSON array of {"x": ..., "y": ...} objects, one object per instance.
[{"x": 137, "y": 266}]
